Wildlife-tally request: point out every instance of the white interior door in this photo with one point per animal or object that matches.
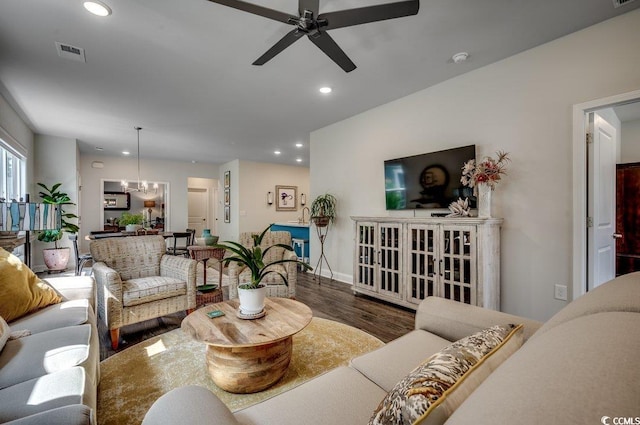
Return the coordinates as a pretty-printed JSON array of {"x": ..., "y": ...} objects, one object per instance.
[
  {"x": 601, "y": 246},
  {"x": 198, "y": 205}
]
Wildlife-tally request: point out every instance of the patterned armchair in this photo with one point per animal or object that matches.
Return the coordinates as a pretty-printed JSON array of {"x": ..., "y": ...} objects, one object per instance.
[
  {"x": 136, "y": 281},
  {"x": 239, "y": 274}
]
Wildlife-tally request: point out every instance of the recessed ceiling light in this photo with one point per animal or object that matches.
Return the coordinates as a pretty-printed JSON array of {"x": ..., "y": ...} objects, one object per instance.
[
  {"x": 97, "y": 8},
  {"x": 298, "y": 159},
  {"x": 325, "y": 90},
  {"x": 98, "y": 148},
  {"x": 277, "y": 152},
  {"x": 126, "y": 153},
  {"x": 298, "y": 145}
]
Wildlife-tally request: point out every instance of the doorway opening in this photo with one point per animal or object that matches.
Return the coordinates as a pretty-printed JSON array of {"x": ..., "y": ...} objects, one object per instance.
[
  {"x": 202, "y": 199},
  {"x": 152, "y": 205},
  {"x": 581, "y": 176}
]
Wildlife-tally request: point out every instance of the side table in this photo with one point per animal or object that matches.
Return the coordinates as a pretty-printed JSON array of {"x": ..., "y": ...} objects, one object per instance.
[{"x": 207, "y": 293}]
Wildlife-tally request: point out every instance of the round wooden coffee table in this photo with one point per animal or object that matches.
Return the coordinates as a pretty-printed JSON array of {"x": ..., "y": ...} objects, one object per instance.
[{"x": 247, "y": 356}]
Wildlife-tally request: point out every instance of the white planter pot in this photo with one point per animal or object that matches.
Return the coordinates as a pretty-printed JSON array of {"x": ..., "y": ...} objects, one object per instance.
[
  {"x": 252, "y": 300},
  {"x": 133, "y": 227}
]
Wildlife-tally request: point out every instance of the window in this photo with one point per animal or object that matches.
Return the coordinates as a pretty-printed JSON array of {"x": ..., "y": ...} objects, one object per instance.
[{"x": 12, "y": 174}]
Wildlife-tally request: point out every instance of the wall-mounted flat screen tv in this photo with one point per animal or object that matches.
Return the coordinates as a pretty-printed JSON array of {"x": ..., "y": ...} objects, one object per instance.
[{"x": 430, "y": 180}]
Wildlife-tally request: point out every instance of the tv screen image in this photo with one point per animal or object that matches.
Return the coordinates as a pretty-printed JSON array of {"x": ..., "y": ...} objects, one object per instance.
[{"x": 430, "y": 180}]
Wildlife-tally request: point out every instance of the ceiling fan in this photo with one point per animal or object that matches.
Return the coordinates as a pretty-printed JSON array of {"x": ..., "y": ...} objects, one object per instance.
[{"x": 315, "y": 26}]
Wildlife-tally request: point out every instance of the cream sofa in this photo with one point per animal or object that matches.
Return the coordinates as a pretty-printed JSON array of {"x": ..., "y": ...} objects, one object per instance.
[
  {"x": 51, "y": 375},
  {"x": 580, "y": 367}
]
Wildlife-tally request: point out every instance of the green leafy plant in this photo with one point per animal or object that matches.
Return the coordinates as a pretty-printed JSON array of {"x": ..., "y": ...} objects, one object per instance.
[
  {"x": 54, "y": 196},
  {"x": 128, "y": 218},
  {"x": 253, "y": 258},
  {"x": 323, "y": 209}
]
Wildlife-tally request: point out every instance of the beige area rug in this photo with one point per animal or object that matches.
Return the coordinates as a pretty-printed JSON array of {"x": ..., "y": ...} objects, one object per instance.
[{"x": 133, "y": 379}]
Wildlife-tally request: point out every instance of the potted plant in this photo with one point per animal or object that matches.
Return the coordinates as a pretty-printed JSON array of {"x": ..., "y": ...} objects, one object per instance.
[
  {"x": 252, "y": 294},
  {"x": 57, "y": 258},
  {"x": 323, "y": 210},
  {"x": 132, "y": 222}
]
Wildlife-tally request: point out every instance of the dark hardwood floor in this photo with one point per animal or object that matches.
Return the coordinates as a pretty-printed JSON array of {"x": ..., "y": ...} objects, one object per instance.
[{"x": 328, "y": 299}]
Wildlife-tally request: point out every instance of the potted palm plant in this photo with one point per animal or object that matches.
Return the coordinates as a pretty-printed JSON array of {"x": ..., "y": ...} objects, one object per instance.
[
  {"x": 252, "y": 294},
  {"x": 323, "y": 210},
  {"x": 57, "y": 258}
]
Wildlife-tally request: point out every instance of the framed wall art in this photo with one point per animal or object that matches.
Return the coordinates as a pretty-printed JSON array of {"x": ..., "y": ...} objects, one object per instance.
[
  {"x": 227, "y": 179},
  {"x": 227, "y": 214},
  {"x": 227, "y": 196},
  {"x": 286, "y": 198}
]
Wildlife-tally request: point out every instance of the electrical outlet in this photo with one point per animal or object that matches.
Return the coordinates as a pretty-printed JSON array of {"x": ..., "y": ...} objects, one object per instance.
[{"x": 561, "y": 292}]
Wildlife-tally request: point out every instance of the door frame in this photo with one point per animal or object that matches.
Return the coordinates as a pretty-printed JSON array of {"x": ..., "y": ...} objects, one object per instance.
[
  {"x": 208, "y": 213},
  {"x": 580, "y": 111}
]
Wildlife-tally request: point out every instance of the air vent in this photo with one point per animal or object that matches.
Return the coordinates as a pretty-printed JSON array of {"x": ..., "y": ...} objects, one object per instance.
[
  {"x": 618, "y": 3},
  {"x": 67, "y": 51}
]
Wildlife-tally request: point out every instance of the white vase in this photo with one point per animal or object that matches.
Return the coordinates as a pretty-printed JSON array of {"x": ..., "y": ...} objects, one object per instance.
[
  {"x": 252, "y": 300},
  {"x": 484, "y": 200}
]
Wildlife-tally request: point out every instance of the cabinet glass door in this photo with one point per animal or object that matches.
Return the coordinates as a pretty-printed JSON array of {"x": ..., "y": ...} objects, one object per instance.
[
  {"x": 366, "y": 255},
  {"x": 457, "y": 256},
  {"x": 390, "y": 259},
  {"x": 422, "y": 270}
]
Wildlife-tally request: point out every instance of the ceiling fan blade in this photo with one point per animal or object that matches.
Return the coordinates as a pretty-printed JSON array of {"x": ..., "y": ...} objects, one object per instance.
[
  {"x": 331, "y": 49},
  {"x": 284, "y": 42},
  {"x": 312, "y": 5},
  {"x": 256, "y": 10},
  {"x": 363, "y": 15}
]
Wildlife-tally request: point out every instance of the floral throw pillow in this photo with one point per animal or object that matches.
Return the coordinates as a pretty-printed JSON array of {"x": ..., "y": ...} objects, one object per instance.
[{"x": 433, "y": 390}]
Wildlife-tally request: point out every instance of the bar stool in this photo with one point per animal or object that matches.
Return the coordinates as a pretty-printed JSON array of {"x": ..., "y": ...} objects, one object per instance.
[
  {"x": 81, "y": 259},
  {"x": 297, "y": 242}
]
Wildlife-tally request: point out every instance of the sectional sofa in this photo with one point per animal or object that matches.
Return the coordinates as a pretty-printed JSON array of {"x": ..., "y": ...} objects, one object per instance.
[
  {"x": 50, "y": 369},
  {"x": 580, "y": 367}
]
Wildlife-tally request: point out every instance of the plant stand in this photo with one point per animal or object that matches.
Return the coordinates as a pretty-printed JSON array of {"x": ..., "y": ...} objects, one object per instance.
[{"x": 322, "y": 235}]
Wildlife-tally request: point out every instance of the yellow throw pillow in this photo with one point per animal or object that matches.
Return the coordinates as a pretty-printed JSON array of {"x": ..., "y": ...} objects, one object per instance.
[{"x": 21, "y": 291}]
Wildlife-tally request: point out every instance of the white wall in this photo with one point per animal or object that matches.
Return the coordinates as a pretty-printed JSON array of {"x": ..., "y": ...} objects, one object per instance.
[
  {"x": 250, "y": 182},
  {"x": 55, "y": 161},
  {"x": 522, "y": 105},
  {"x": 259, "y": 178},
  {"x": 630, "y": 142},
  {"x": 175, "y": 173}
]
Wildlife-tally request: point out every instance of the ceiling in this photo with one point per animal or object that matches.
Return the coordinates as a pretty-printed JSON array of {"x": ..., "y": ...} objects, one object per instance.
[{"x": 182, "y": 70}]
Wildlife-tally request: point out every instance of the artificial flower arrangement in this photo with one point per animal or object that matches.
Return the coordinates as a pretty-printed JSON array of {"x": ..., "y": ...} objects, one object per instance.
[{"x": 487, "y": 171}]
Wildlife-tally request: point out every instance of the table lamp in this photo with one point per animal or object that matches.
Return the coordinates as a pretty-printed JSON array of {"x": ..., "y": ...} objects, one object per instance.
[
  {"x": 150, "y": 205},
  {"x": 27, "y": 216}
]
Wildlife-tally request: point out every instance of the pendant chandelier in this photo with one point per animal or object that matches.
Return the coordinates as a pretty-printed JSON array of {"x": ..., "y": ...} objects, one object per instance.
[{"x": 142, "y": 185}]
